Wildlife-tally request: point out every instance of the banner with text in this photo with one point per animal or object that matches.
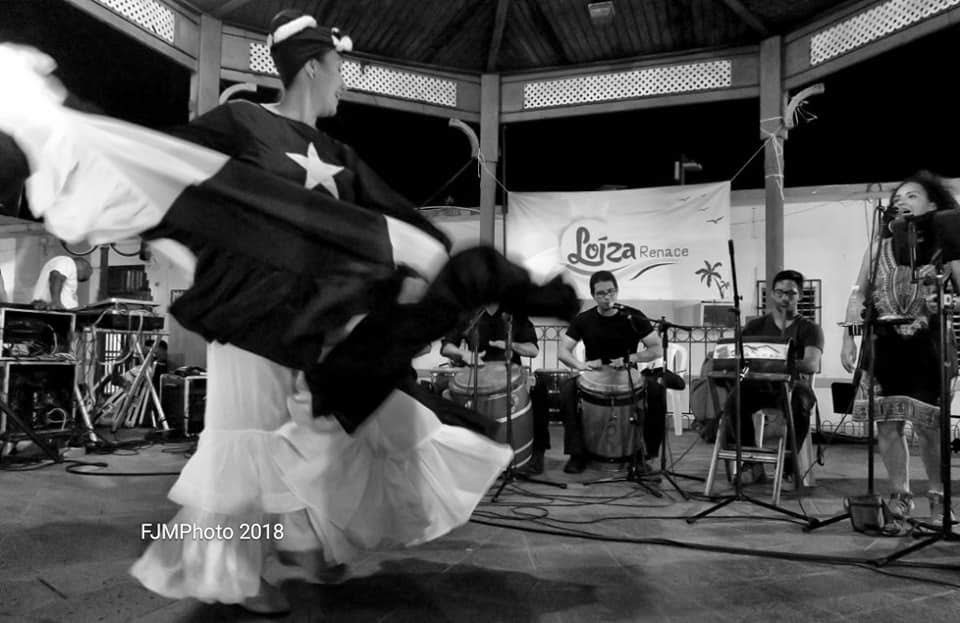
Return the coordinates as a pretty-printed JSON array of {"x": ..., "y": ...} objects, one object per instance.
[{"x": 660, "y": 243}]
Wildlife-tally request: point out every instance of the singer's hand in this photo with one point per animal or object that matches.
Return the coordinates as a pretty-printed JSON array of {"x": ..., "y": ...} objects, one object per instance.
[
  {"x": 501, "y": 344},
  {"x": 848, "y": 354}
]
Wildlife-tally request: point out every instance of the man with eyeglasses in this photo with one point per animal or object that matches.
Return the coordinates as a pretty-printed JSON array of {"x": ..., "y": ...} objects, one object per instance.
[
  {"x": 783, "y": 321},
  {"x": 609, "y": 337}
]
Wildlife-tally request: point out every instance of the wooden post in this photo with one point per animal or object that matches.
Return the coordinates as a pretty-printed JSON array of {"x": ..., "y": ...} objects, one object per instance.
[
  {"x": 205, "y": 82},
  {"x": 489, "y": 151},
  {"x": 771, "y": 124}
]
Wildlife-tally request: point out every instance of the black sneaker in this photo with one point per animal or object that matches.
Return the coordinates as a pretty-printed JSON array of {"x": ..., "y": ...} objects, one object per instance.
[{"x": 575, "y": 465}]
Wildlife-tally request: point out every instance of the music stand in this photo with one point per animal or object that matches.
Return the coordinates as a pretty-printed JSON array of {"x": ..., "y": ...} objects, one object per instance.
[
  {"x": 741, "y": 371},
  {"x": 933, "y": 238},
  {"x": 511, "y": 473}
]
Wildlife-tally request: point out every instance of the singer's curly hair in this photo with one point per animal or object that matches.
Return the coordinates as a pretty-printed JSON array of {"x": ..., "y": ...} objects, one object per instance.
[{"x": 933, "y": 185}]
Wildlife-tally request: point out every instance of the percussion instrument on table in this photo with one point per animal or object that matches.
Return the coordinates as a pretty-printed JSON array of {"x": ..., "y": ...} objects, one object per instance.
[
  {"x": 490, "y": 384},
  {"x": 551, "y": 378},
  {"x": 608, "y": 407}
]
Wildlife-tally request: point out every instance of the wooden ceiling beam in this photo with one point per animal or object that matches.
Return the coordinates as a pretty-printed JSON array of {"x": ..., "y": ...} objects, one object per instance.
[
  {"x": 496, "y": 38},
  {"x": 747, "y": 17},
  {"x": 228, "y": 7},
  {"x": 544, "y": 25},
  {"x": 452, "y": 31}
]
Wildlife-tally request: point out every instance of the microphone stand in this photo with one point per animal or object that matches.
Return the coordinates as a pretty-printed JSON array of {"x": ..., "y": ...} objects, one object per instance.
[
  {"x": 868, "y": 345},
  {"x": 638, "y": 456},
  {"x": 742, "y": 370},
  {"x": 669, "y": 474},
  {"x": 944, "y": 324},
  {"x": 512, "y": 473}
]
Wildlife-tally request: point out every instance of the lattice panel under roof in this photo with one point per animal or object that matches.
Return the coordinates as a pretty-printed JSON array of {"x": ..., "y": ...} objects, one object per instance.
[
  {"x": 375, "y": 79},
  {"x": 150, "y": 15},
  {"x": 628, "y": 84},
  {"x": 872, "y": 25}
]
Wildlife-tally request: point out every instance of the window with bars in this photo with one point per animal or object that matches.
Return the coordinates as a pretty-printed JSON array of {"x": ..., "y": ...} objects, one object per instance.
[{"x": 809, "y": 305}]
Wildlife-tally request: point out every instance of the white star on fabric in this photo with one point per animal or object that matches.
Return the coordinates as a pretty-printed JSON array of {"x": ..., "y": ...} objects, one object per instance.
[{"x": 318, "y": 171}]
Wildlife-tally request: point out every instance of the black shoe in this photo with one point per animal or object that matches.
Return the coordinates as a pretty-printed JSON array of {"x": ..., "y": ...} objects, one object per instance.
[
  {"x": 575, "y": 465},
  {"x": 534, "y": 466}
]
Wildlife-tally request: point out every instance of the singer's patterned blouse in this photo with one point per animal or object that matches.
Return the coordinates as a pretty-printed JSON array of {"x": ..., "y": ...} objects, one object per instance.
[{"x": 895, "y": 296}]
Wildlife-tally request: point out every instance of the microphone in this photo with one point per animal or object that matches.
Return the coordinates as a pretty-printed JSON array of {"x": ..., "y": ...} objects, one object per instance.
[{"x": 629, "y": 312}]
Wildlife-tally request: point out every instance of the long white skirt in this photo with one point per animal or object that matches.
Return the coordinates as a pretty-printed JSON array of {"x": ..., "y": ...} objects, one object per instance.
[{"x": 283, "y": 481}]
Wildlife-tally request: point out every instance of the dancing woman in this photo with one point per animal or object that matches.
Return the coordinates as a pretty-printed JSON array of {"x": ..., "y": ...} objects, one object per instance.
[{"x": 303, "y": 437}]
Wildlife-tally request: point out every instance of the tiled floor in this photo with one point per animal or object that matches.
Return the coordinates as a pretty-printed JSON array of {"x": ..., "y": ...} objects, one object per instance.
[{"x": 606, "y": 552}]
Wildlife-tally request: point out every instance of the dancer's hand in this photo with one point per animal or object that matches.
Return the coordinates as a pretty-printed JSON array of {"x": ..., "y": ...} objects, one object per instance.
[{"x": 848, "y": 354}]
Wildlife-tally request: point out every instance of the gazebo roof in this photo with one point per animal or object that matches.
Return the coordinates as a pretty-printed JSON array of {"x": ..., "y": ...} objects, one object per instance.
[{"x": 519, "y": 35}]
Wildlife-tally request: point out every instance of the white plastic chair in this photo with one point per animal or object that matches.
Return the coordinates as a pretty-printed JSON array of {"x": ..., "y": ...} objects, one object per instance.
[{"x": 679, "y": 363}]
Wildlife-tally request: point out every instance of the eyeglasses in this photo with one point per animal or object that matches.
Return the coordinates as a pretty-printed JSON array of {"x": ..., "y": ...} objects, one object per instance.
[
  {"x": 609, "y": 292},
  {"x": 785, "y": 293}
]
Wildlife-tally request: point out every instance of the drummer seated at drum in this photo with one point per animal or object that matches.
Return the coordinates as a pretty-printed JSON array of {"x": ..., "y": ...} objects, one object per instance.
[
  {"x": 806, "y": 348},
  {"x": 489, "y": 327},
  {"x": 491, "y": 338},
  {"x": 610, "y": 338}
]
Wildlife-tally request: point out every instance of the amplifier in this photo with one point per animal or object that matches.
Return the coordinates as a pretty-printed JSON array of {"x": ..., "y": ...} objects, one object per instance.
[
  {"x": 40, "y": 393},
  {"x": 184, "y": 399}
]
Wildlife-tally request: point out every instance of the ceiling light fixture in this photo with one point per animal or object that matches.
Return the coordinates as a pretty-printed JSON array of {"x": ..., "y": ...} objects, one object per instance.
[{"x": 601, "y": 13}]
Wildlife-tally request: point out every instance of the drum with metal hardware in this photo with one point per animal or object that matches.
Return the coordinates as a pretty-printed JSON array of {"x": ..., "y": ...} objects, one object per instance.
[
  {"x": 609, "y": 410},
  {"x": 440, "y": 378},
  {"x": 490, "y": 384},
  {"x": 550, "y": 379}
]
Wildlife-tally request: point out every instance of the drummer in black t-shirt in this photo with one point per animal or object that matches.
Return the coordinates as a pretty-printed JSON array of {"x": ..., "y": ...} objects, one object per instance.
[
  {"x": 612, "y": 337},
  {"x": 491, "y": 328}
]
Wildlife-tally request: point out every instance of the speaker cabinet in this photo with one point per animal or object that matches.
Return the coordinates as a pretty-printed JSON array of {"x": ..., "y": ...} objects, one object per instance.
[{"x": 184, "y": 399}]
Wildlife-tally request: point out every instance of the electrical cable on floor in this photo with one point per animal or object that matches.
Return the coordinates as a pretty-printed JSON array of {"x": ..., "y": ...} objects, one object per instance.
[
  {"x": 866, "y": 563},
  {"x": 76, "y": 467}
]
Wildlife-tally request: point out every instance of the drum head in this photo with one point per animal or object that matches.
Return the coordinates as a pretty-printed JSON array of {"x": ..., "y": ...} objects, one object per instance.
[
  {"x": 489, "y": 379},
  {"x": 609, "y": 381}
]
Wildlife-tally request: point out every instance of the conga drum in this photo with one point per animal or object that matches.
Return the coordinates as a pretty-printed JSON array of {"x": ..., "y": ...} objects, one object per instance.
[
  {"x": 491, "y": 385},
  {"x": 440, "y": 378},
  {"x": 607, "y": 406},
  {"x": 551, "y": 379}
]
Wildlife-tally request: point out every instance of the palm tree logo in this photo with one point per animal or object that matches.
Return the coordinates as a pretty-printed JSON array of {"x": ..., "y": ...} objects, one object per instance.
[{"x": 712, "y": 277}]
